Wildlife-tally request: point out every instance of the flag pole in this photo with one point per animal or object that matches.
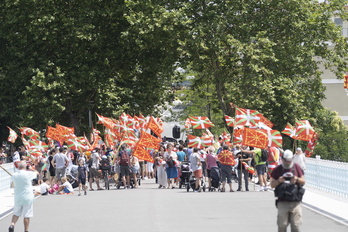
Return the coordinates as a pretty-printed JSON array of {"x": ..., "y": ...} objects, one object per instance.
[{"x": 5, "y": 170}]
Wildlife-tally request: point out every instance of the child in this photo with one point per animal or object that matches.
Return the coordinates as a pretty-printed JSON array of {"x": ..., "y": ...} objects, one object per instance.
[
  {"x": 66, "y": 187},
  {"x": 44, "y": 188},
  {"x": 81, "y": 176}
]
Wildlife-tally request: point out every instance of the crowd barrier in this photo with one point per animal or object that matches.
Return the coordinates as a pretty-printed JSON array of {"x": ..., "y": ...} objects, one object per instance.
[
  {"x": 5, "y": 178},
  {"x": 328, "y": 176}
]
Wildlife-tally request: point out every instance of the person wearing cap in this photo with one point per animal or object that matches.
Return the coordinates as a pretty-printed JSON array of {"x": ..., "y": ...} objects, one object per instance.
[
  {"x": 300, "y": 159},
  {"x": 289, "y": 212}
]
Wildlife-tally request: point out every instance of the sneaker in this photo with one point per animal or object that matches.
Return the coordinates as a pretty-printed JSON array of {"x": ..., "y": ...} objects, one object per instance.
[
  {"x": 79, "y": 194},
  {"x": 231, "y": 190},
  {"x": 200, "y": 189},
  {"x": 223, "y": 190},
  {"x": 239, "y": 189},
  {"x": 85, "y": 192},
  {"x": 247, "y": 190},
  {"x": 11, "y": 229}
]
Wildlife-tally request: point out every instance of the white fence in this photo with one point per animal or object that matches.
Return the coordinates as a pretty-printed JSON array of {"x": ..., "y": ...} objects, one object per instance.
[
  {"x": 326, "y": 175},
  {"x": 5, "y": 179}
]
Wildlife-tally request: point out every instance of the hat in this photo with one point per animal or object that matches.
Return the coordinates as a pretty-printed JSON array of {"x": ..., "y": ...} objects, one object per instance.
[
  {"x": 298, "y": 149},
  {"x": 288, "y": 155},
  {"x": 104, "y": 157}
]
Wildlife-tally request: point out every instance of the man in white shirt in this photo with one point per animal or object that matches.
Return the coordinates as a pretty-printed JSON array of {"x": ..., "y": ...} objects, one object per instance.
[
  {"x": 196, "y": 167},
  {"x": 23, "y": 195}
]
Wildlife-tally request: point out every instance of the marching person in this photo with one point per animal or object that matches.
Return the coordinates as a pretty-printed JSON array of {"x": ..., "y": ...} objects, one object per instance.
[
  {"x": 23, "y": 195},
  {"x": 289, "y": 211}
]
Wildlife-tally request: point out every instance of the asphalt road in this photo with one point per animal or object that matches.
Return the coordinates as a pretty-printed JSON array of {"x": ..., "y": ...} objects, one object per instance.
[{"x": 151, "y": 209}]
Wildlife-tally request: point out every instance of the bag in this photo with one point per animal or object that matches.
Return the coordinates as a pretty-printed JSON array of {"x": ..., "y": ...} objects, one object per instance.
[
  {"x": 170, "y": 163},
  {"x": 289, "y": 192},
  {"x": 124, "y": 161},
  {"x": 264, "y": 155},
  {"x": 105, "y": 165}
]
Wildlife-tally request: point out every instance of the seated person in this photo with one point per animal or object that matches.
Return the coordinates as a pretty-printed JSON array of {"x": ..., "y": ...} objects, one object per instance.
[
  {"x": 44, "y": 188},
  {"x": 66, "y": 187}
]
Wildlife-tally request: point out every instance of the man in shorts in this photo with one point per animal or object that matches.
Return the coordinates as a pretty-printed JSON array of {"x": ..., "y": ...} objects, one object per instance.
[
  {"x": 196, "y": 167},
  {"x": 60, "y": 162},
  {"x": 260, "y": 169},
  {"x": 23, "y": 195},
  {"x": 93, "y": 170}
]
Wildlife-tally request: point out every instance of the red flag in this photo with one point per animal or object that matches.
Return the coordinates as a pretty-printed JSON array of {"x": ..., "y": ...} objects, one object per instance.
[
  {"x": 54, "y": 134},
  {"x": 229, "y": 120},
  {"x": 107, "y": 122},
  {"x": 265, "y": 121},
  {"x": 200, "y": 122},
  {"x": 275, "y": 139},
  {"x": 238, "y": 136},
  {"x": 311, "y": 145},
  {"x": 255, "y": 138},
  {"x": 149, "y": 141},
  {"x": 12, "y": 136},
  {"x": 289, "y": 130},
  {"x": 142, "y": 153},
  {"x": 246, "y": 117},
  {"x": 226, "y": 158},
  {"x": 194, "y": 141},
  {"x": 304, "y": 130},
  {"x": 155, "y": 127},
  {"x": 32, "y": 134}
]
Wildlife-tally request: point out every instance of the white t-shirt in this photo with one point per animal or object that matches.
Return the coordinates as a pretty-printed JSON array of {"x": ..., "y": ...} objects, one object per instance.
[
  {"x": 16, "y": 157},
  {"x": 68, "y": 186},
  {"x": 23, "y": 191},
  {"x": 194, "y": 161},
  {"x": 300, "y": 160},
  {"x": 173, "y": 154},
  {"x": 44, "y": 187},
  {"x": 95, "y": 157}
]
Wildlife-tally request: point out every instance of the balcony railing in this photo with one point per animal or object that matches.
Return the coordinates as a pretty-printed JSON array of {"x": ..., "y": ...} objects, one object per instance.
[{"x": 328, "y": 176}]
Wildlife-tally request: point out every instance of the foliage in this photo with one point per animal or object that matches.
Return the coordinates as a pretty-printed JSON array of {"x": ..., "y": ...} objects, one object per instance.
[
  {"x": 265, "y": 55},
  {"x": 58, "y": 59},
  {"x": 333, "y": 134}
]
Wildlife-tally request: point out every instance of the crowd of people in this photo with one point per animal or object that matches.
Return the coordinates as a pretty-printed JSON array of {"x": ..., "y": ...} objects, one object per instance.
[
  {"x": 127, "y": 170},
  {"x": 64, "y": 170}
]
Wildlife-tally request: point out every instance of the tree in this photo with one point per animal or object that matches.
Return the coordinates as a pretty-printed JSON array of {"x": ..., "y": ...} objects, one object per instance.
[
  {"x": 58, "y": 57},
  {"x": 265, "y": 55}
]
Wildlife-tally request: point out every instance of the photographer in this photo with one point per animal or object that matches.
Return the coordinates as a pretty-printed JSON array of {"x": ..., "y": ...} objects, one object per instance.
[{"x": 288, "y": 175}]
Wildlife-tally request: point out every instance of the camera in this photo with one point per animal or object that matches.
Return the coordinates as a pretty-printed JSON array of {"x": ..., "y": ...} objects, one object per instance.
[{"x": 288, "y": 175}]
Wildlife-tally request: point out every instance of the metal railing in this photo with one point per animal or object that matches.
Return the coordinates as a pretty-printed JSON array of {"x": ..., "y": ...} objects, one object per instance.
[
  {"x": 5, "y": 178},
  {"x": 328, "y": 176}
]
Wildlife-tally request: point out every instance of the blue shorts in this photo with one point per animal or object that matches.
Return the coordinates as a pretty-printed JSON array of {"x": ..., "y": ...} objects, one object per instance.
[
  {"x": 261, "y": 169},
  {"x": 66, "y": 190}
]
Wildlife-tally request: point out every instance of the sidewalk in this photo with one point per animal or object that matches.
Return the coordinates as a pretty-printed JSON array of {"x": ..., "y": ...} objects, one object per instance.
[{"x": 330, "y": 205}]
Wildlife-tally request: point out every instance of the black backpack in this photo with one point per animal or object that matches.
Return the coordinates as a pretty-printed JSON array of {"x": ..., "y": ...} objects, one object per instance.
[{"x": 264, "y": 155}]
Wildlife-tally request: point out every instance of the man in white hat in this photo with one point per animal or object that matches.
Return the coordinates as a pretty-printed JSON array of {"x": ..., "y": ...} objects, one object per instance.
[{"x": 289, "y": 211}]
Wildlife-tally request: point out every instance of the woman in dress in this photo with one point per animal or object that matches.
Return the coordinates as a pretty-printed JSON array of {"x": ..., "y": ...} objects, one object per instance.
[{"x": 171, "y": 169}]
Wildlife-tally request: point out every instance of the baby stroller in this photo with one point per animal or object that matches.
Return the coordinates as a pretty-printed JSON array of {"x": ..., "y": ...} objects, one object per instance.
[
  {"x": 185, "y": 174},
  {"x": 193, "y": 184},
  {"x": 131, "y": 180},
  {"x": 215, "y": 175},
  {"x": 71, "y": 176}
]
